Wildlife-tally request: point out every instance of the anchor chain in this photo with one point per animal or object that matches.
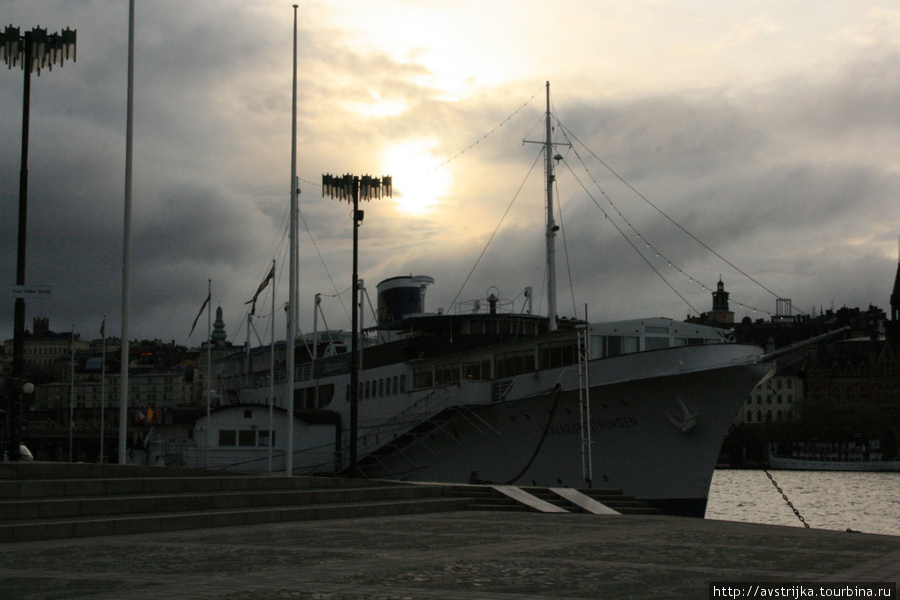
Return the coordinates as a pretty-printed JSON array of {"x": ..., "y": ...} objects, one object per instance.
[{"x": 783, "y": 495}]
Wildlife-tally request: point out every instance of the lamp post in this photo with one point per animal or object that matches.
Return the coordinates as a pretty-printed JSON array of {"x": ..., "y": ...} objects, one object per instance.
[
  {"x": 353, "y": 189},
  {"x": 32, "y": 51}
]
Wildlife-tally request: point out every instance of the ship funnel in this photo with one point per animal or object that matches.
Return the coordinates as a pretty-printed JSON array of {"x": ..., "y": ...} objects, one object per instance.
[{"x": 399, "y": 297}]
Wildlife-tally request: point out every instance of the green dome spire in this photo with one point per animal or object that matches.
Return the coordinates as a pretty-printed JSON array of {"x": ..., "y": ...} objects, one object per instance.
[{"x": 218, "y": 334}]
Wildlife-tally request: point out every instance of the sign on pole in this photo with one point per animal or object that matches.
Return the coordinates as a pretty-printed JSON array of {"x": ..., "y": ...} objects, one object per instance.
[{"x": 32, "y": 291}]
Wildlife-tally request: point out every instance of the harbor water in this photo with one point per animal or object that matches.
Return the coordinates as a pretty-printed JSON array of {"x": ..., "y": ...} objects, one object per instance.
[{"x": 865, "y": 502}]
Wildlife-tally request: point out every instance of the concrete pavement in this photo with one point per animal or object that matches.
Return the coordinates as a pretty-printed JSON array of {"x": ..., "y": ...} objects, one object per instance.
[{"x": 451, "y": 555}]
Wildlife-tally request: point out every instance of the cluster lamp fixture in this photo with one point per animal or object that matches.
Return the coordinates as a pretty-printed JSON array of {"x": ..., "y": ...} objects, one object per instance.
[
  {"x": 30, "y": 51},
  {"x": 352, "y": 188},
  {"x": 36, "y": 49},
  {"x": 342, "y": 187}
]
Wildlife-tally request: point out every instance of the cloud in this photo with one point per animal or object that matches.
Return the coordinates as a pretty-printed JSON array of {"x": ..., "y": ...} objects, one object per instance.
[{"x": 778, "y": 159}]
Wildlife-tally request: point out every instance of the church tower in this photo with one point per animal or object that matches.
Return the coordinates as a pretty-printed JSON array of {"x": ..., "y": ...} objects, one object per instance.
[
  {"x": 892, "y": 327},
  {"x": 895, "y": 297},
  {"x": 218, "y": 333},
  {"x": 720, "y": 312}
]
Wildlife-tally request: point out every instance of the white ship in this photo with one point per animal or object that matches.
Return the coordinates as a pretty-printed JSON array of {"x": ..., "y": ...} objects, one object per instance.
[
  {"x": 831, "y": 456},
  {"x": 485, "y": 393}
]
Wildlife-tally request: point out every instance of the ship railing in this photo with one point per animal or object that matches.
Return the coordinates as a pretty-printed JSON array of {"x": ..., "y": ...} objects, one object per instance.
[
  {"x": 187, "y": 453},
  {"x": 243, "y": 382},
  {"x": 426, "y": 409},
  {"x": 422, "y": 409},
  {"x": 483, "y": 307}
]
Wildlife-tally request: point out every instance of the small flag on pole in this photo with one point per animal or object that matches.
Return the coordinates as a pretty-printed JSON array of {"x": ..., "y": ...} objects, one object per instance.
[
  {"x": 261, "y": 287},
  {"x": 202, "y": 308}
]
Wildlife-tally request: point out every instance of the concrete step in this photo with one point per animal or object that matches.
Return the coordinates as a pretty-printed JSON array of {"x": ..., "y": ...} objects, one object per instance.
[
  {"x": 46, "y": 529},
  {"x": 41, "y": 501},
  {"x": 68, "y": 487},
  {"x": 143, "y": 504},
  {"x": 60, "y": 470}
]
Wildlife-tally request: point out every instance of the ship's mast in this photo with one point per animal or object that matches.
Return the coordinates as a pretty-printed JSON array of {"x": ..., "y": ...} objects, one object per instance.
[{"x": 552, "y": 228}]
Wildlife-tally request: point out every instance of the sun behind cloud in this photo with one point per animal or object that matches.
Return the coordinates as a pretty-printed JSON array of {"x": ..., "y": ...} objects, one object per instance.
[{"x": 419, "y": 180}]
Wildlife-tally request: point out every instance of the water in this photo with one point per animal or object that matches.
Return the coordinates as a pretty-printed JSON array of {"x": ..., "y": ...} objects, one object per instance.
[{"x": 867, "y": 502}]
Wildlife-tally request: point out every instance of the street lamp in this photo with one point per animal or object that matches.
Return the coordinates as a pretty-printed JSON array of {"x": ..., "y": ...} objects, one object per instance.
[
  {"x": 353, "y": 189},
  {"x": 31, "y": 51}
]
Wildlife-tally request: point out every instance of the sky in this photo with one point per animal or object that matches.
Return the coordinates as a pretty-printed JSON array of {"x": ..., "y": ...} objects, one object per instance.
[{"x": 757, "y": 141}]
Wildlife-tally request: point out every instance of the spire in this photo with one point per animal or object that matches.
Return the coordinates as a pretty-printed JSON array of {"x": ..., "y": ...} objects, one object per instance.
[
  {"x": 720, "y": 311},
  {"x": 895, "y": 296},
  {"x": 218, "y": 334},
  {"x": 892, "y": 328}
]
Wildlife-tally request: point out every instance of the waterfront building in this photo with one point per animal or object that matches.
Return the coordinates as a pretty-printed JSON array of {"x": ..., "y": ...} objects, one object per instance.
[
  {"x": 45, "y": 350},
  {"x": 773, "y": 401}
]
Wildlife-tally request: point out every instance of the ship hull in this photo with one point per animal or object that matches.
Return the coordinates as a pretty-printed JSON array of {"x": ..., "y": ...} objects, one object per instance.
[
  {"x": 656, "y": 439},
  {"x": 655, "y": 425}
]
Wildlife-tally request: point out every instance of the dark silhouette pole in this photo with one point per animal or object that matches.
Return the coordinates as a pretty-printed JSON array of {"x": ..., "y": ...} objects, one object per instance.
[
  {"x": 353, "y": 188},
  {"x": 32, "y": 51}
]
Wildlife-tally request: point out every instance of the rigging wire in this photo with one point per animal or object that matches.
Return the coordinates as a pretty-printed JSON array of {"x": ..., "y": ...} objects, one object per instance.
[
  {"x": 489, "y": 133},
  {"x": 279, "y": 252},
  {"x": 562, "y": 227},
  {"x": 276, "y": 251},
  {"x": 659, "y": 254},
  {"x": 322, "y": 260},
  {"x": 496, "y": 229},
  {"x": 628, "y": 240},
  {"x": 568, "y": 133},
  {"x": 439, "y": 165}
]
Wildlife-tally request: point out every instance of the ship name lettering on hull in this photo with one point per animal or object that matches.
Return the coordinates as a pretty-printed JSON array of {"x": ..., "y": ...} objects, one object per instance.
[{"x": 596, "y": 425}]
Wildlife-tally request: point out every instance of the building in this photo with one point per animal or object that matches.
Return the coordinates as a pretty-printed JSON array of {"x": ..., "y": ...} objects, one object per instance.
[
  {"x": 207, "y": 383},
  {"x": 46, "y": 352},
  {"x": 720, "y": 312},
  {"x": 773, "y": 401}
]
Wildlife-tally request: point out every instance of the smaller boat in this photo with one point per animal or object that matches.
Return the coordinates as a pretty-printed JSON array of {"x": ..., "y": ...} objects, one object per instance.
[{"x": 858, "y": 455}]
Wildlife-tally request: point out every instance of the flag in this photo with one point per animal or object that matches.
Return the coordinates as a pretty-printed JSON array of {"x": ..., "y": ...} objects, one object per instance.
[
  {"x": 261, "y": 287},
  {"x": 202, "y": 308},
  {"x": 103, "y": 329}
]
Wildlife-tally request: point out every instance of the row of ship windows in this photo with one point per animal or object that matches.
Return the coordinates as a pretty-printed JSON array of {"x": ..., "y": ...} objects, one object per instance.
[
  {"x": 550, "y": 355},
  {"x": 767, "y": 417},
  {"x": 245, "y": 438},
  {"x": 382, "y": 387},
  {"x": 507, "y": 364},
  {"x": 315, "y": 397},
  {"x": 319, "y": 396},
  {"x": 789, "y": 399}
]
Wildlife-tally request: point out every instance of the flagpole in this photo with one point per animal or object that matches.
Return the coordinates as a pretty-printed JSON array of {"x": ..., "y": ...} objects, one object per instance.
[
  {"x": 102, "y": 386},
  {"x": 292, "y": 291},
  {"x": 72, "y": 396},
  {"x": 208, "y": 366},
  {"x": 272, "y": 372},
  {"x": 126, "y": 245}
]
